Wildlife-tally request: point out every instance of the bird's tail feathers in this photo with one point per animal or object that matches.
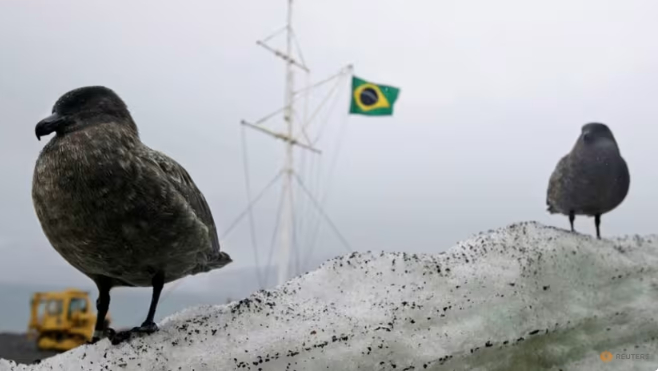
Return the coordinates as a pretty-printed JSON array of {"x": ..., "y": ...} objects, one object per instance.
[{"x": 220, "y": 260}]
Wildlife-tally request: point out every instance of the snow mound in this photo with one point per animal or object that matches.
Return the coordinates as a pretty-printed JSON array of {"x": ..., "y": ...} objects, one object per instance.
[{"x": 524, "y": 297}]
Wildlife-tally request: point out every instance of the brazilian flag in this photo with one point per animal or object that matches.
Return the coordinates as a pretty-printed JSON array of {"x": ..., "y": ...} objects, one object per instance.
[{"x": 372, "y": 99}]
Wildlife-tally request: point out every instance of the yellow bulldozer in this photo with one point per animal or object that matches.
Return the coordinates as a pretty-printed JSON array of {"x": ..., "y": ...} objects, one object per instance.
[{"x": 62, "y": 320}]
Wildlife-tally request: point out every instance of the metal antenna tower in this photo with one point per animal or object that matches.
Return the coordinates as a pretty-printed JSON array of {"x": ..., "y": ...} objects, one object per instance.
[{"x": 292, "y": 63}]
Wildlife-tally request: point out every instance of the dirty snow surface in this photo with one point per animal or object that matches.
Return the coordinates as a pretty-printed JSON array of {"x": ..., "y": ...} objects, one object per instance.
[{"x": 526, "y": 297}]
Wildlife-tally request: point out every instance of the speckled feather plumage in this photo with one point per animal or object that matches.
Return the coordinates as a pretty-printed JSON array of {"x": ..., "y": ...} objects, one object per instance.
[
  {"x": 590, "y": 180},
  {"x": 115, "y": 208}
]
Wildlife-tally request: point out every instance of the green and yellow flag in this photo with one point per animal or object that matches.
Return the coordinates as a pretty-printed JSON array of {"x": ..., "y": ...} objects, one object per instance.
[{"x": 372, "y": 99}]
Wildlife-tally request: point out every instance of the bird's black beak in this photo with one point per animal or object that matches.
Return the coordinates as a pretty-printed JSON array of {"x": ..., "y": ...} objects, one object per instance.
[{"x": 48, "y": 125}]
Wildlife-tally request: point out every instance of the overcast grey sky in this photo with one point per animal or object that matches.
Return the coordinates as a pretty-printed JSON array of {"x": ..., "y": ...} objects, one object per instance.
[{"x": 492, "y": 94}]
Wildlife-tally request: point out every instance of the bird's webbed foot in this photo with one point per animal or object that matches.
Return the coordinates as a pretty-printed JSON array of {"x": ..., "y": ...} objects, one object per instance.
[
  {"x": 102, "y": 334},
  {"x": 146, "y": 328}
]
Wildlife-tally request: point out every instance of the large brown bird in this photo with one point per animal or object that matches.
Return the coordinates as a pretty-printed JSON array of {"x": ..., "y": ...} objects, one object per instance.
[
  {"x": 118, "y": 211},
  {"x": 592, "y": 179}
]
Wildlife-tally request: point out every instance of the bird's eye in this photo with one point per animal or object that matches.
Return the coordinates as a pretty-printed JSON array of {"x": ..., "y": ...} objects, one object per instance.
[{"x": 586, "y": 137}]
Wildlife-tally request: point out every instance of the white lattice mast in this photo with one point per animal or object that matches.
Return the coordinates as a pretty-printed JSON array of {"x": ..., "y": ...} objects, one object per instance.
[
  {"x": 287, "y": 222},
  {"x": 291, "y": 63},
  {"x": 288, "y": 136}
]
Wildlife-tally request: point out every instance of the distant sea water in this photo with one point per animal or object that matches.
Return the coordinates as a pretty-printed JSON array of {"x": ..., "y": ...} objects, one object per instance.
[{"x": 129, "y": 306}]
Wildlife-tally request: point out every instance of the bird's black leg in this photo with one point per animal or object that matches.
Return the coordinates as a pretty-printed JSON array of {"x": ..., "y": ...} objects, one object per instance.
[
  {"x": 158, "y": 284},
  {"x": 148, "y": 326},
  {"x": 572, "y": 217},
  {"x": 102, "y": 306},
  {"x": 597, "y": 222}
]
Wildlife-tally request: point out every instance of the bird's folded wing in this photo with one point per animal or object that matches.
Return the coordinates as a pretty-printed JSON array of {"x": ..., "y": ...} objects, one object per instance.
[
  {"x": 181, "y": 180},
  {"x": 555, "y": 183}
]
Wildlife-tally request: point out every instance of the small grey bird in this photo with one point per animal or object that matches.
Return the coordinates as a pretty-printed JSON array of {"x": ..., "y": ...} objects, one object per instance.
[
  {"x": 118, "y": 211},
  {"x": 592, "y": 179}
]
